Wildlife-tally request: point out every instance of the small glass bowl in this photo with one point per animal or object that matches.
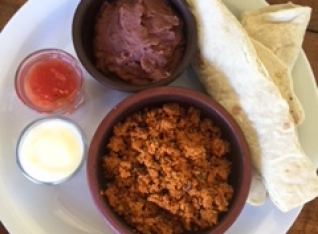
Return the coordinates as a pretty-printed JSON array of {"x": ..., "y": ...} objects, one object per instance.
[
  {"x": 51, "y": 150},
  {"x": 48, "y": 94}
]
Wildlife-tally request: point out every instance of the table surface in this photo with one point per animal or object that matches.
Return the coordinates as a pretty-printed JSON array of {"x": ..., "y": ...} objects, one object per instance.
[{"x": 306, "y": 223}]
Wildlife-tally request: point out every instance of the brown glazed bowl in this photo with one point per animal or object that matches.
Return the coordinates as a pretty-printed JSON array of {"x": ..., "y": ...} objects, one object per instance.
[
  {"x": 239, "y": 155},
  {"x": 82, "y": 35}
]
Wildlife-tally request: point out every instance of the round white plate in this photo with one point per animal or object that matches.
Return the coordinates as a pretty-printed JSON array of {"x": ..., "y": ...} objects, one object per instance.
[{"x": 28, "y": 208}]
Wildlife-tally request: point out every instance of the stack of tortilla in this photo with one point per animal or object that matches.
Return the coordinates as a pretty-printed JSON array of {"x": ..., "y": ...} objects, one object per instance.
[
  {"x": 277, "y": 33},
  {"x": 246, "y": 68}
]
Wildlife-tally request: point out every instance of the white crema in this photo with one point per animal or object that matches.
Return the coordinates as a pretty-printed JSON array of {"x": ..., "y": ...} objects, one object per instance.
[{"x": 51, "y": 150}]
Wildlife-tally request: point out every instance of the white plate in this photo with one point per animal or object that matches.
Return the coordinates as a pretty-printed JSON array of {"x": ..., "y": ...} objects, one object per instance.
[{"x": 28, "y": 208}]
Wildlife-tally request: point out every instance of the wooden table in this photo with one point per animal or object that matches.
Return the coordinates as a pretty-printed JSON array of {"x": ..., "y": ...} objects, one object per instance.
[{"x": 307, "y": 222}]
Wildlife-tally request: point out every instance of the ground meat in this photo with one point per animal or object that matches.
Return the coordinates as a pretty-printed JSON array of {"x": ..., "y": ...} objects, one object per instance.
[{"x": 166, "y": 171}]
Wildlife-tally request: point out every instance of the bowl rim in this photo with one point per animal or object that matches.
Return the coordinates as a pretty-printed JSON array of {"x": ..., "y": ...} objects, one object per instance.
[
  {"x": 111, "y": 118},
  {"x": 190, "y": 30}
]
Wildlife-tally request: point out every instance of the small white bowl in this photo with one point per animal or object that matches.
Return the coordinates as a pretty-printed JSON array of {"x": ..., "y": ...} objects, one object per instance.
[{"x": 51, "y": 150}]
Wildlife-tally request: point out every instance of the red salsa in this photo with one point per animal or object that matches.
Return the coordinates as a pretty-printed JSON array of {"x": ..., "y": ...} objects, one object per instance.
[{"x": 52, "y": 83}]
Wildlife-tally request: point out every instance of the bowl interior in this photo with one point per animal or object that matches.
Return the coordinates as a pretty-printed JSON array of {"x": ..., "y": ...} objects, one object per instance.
[
  {"x": 83, "y": 32},
  {"x": 239, "y": 154}
]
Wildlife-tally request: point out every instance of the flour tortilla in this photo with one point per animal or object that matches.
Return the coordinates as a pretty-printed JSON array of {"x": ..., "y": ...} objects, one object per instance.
[
  {"x": 257, "y": 193},
  {"x": 279, "y": 27},
  {"x": 232, "y": 74},
  {"x": 282, "y": 78}
]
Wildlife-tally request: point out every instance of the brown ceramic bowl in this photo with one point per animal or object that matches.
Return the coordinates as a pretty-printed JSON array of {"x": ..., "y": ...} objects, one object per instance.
[
  {"x": 240, "y": 177},
  {"x": 83, "y": 31}
]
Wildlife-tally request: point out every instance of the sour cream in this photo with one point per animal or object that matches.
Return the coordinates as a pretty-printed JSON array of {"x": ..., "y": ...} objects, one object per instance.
[{"x": 50, "y": 150}]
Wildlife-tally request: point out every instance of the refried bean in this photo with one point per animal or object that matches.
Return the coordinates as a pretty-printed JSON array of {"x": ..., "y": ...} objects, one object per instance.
[
  {"x": 138, "y": 41},
  {"x": 166, "y": 171}
]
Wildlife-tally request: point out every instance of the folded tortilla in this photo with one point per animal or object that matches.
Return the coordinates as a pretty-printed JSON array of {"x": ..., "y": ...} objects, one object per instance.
[
  {"x": 281, "y": 76},
  {"x": 233, "y": 75},
  {"x": 279, "y": 27},
  {"x": 258, "y": 192}
]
